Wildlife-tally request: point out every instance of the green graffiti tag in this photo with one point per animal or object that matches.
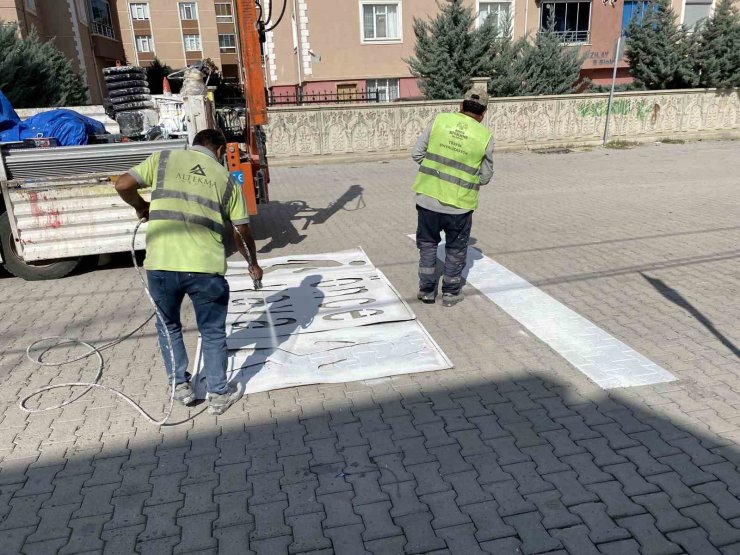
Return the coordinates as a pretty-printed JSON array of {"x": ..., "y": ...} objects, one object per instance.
[{"x": 620, "y": 107}]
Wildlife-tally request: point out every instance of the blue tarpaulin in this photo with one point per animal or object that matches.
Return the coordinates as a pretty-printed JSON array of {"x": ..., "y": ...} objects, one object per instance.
[{"x": 67, "y": 126}]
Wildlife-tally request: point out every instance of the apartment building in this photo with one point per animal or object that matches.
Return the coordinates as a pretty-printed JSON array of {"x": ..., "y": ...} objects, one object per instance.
[
  {"x": 344, "y": 46},
  {"x": 85, "y": 30},
  {"x": 180, "y": 33}
]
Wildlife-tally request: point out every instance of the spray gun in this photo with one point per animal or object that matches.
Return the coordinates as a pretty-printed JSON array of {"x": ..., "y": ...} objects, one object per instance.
[{"x": 257, "y": 282}]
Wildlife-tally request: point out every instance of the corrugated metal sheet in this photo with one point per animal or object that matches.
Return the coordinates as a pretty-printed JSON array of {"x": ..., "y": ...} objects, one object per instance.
[
  {"x": 70, "y": 217},
  {"x": 76, "y": 160}
]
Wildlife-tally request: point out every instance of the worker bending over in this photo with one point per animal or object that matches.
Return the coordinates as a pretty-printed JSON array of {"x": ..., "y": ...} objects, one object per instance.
[
  {"x": 456, "y": 157},
  {"x": 193, "y": 198}
]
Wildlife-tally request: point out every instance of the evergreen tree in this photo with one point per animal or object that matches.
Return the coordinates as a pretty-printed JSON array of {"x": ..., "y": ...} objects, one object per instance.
[
  {"x": 507, "y": 69},
  {"x": 548, "y": 66},
  {"x": 450, "y": 50},
  {"x": 155, "y": 74},
  {"x": 71, "y": 90},
  {"x": 659, "y": 50},
  {"x": 718, "y": 48},
  {"x": 34, "y": 74}
]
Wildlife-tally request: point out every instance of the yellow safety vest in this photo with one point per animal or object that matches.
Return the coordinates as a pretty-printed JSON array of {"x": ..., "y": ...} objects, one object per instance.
[{"x": 449, "y": 171}]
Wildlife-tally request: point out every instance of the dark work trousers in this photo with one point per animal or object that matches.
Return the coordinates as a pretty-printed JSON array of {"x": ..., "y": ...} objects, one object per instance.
[{"x": 428, "y": 236}]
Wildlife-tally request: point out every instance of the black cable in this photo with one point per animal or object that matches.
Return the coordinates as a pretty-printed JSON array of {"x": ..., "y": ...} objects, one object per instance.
[
  {"x": 282, "y": 13},
  {"x": 259, "y": 5},
  {"x": 269, "y": 12}
]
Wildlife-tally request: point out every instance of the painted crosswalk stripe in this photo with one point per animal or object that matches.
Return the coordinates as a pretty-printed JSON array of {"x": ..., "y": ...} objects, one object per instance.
[{"x": 606, "y": 360}]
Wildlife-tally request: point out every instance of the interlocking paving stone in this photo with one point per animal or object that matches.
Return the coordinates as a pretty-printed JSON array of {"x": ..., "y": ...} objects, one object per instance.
[
  {"x": 649, "y": 537},
  {"x": 632, "y": 483},
  {"x": 681, "y": 495},
  {"x": 576, "y": 540},
  {"x": 467, "y": 488},
  {"x": 535, "y": 537},
  {"x": 489, "y": 471},
  {"x": 601, "y": 527},
  {"x": 727, "y": 504},
  {"x": 233, "y": 539},
  {"x": 571, "y": 490},
  {"x": 545, "y": 460},
  {"x": 720, "y": 532},
  {"x": 487, "y": 521},
  {"x": 691, "y": 475},
  {"x": 509, "y": 499},
  {"x": 504, "y": 545},
  {"x": 623, "y": 547},
  {"x": 460, "y": 539},
  {"x": 428, "y": 478},
  {"x": 377, "y": 520},
  {"x": 347, "y": 539},
  {"x": 693, "y": 540},
  {"x": 555, "y": 514},
  {"x": 617, "y": 503},
  {"x": 307, "y": 533},
  {"x": 444, "y": 508},
  {"x": 419, "y": 534}
]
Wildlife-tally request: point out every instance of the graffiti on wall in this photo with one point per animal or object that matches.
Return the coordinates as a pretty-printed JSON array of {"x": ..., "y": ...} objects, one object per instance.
[{"x": 641, "y": 109}]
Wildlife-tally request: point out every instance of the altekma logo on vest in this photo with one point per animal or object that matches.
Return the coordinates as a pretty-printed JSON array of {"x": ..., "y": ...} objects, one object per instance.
[{"x": 197, "y": 175}]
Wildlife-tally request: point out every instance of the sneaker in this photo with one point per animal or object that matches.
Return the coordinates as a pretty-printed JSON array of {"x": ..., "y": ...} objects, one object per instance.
[
  {"x": 426, "y": 297},
  {"x": 218, "y": 403},
  {"x": 451, "y": 299},
  {"x": 184, "y": 393}
]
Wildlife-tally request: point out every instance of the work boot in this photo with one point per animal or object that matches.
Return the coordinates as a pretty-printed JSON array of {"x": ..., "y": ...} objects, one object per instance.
[
  {"x": 427, "y": 297},
  {"x": 184, "y": 393},
  {"x": 451, "y": 299},
  {"x": 218, "y": 403}
]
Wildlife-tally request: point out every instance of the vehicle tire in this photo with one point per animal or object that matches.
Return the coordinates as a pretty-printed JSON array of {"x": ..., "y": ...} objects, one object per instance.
[
  {"x": 121, "y": 69},
  {"x": 125, "y": 77},
  {"x": 142, "y": 105},
  {"x": 51, "y": 269},
  {"x": 116, "y": 93},
  {"x": 128, "y": 99},
  {"x": 126, "y": 84}
]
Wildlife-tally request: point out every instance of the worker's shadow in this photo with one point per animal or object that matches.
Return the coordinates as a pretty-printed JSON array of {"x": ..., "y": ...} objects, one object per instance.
[
  {"x": 282, "y": 222},
  {"x": 287, "y": 312}
]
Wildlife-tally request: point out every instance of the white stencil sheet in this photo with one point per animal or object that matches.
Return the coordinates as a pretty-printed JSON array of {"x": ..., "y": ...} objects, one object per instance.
[{"x": 336, "y": 318}]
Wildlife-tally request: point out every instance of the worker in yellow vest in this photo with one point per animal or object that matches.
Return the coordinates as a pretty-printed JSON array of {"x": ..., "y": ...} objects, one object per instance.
[
  {"x": 456, "y": 157},
  {"x": 193, "y": 199}
]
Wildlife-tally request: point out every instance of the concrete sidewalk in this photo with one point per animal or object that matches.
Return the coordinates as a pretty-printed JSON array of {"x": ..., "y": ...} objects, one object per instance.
[{"x": 512, "y": 451}]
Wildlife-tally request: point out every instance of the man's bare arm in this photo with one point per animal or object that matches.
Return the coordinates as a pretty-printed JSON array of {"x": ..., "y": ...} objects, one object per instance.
[
  {"x": 247, "y": 248},
  {"x": 127, "y": 188}
]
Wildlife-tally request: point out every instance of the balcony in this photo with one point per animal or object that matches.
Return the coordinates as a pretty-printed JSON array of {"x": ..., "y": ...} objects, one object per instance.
[{"x": 102, "y": 30}]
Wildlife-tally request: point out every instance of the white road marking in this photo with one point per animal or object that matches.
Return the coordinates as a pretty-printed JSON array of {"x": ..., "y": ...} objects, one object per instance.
[{"x": 602, "y": 357}]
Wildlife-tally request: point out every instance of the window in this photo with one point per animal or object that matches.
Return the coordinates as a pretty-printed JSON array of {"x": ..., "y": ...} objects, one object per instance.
[
  {"x": 498, "y": 10},
  {"x": 572, "y": 20},
  {"x": 188, "y": 11},
  {"x": 144, "y": 43},
  {"x": 387, "y": 89},
  {"x": 227, "y": 44},
  {"x": 224, "y": 13},
  {"x": 192, "y": 43},
  {"x": 31, "y": 5},
  {"x": 101, "y": 22},
  {"x": 695, "y": 11},
  {"x": 633, "y": 9},
  {"x": 140, "y": 10},
  {"x": 380, "y": 22}
]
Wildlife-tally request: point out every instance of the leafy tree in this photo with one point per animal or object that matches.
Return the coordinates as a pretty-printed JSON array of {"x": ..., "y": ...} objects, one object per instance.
[
  {"x": 718, "y": 48},
  {"x": 450, "y": 50},
  {"x": 659, "y": 50},
  {"x": 549, "y": 66},
  {"x": 35, "y": 73}
]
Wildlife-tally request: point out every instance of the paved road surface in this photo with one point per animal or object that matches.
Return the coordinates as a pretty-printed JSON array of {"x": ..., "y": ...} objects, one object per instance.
[{"x": 512, "y": 451}]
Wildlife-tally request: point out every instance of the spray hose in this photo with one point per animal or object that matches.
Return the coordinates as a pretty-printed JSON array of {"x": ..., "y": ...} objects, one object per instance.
[{"x": 57, "y": 341}]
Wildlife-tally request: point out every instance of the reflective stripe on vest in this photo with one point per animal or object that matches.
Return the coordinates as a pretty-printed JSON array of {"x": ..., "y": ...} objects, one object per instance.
[
  {"x": 449, "y": 171},
  {"x": 172, "y": 166}
]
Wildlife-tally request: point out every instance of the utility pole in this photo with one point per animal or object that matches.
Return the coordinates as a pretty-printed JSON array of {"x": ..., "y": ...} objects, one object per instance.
[{"x": 617, "y": 57}]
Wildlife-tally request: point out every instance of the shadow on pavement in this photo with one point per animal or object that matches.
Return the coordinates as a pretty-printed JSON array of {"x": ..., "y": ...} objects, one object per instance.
[
  {"x": 400, "y": 465},
  {"x": 679, "y": 300},
  {"x": 282, "y": 222}
]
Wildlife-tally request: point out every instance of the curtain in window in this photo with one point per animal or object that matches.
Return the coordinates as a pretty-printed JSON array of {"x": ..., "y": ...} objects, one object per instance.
[
  {"x": 368, "y": 21},
  {"x": 392, "y": 21}
]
